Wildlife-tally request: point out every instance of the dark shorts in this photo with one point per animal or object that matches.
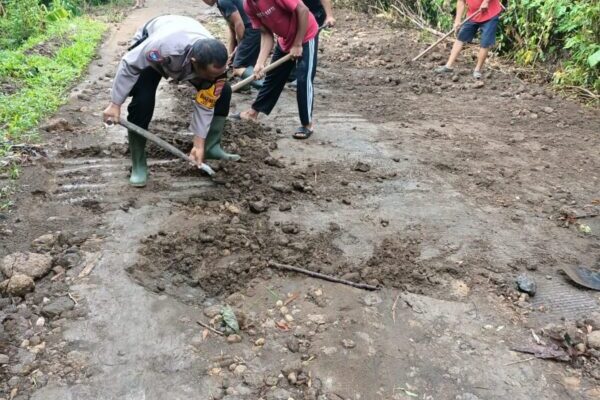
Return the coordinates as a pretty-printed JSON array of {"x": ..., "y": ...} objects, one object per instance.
[
  {"x": 488, "y": 32},
  {"x": 247, "y": 51}
]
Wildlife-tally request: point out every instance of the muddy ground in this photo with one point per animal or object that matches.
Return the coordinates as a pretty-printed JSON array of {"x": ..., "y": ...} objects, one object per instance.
[{"x": 439, "y": 190}]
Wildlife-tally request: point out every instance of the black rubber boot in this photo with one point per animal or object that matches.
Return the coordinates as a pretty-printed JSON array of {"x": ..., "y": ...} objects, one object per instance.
[
  {"x": 139, "y": 168},
  {"x": 212, "y": 144}
]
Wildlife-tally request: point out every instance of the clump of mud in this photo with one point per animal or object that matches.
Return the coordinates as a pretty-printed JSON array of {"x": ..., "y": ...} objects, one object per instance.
[
  {"x": 31, "y": 347},
  {"x": 232, "y": 246}
]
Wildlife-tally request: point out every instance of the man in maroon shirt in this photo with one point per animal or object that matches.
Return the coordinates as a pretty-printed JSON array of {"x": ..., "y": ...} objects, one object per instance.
[
  {"x": 486, "y": 21},
  {"x": 297, "y": 31}
]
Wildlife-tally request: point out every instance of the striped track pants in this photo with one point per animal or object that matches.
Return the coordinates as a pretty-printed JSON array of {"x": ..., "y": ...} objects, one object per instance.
[{"x": 306, "y": 68}]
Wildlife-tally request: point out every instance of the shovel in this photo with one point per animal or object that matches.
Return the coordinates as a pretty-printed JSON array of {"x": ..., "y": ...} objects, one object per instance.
[
  {"x": 583, "y": 276},
  {"x": 164, "y": 145}
]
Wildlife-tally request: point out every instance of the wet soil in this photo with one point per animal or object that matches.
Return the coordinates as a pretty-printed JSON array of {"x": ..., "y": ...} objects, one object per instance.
[{"x": 437, "y": 188}]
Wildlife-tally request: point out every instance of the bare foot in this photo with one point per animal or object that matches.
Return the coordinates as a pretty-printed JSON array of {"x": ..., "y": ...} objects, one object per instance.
[{"x": 249, "y": 115}]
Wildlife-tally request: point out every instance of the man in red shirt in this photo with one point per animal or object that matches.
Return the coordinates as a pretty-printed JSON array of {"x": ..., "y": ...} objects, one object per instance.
[
  {"x": 486, "y": 21},
  {"x": 297, "y": 31}
]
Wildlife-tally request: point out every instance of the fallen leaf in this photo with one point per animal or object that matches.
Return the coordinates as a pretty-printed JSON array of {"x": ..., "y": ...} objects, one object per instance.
[{"x": 282, "y": 325}]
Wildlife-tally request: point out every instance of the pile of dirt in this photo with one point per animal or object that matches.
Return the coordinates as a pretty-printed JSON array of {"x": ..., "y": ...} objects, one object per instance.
[
  {"x": 235, "y": 241},
  {"x": 231, "y": 247},
  {"x": 34, "y": 306}
]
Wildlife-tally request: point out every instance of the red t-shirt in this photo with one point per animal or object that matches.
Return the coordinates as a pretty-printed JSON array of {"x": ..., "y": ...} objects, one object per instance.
[
  {"x": 279, "y": 17},
  {"x": 494, "y": 9}
]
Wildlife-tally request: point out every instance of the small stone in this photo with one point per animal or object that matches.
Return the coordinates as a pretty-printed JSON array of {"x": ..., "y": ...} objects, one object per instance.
[
  {"x": 239, "y": 370},
  {"x": 289, "y": 318},
  {"x": 279, "y": 303},
  {"x": 362, "y": 167},
  {"x": 349, "y": 344},
  {"x": 346, "y": 202},
  {"x": 293, "y": 345},
  {"x": 318, "y": 319},
  {"x": 273, "y": 162},
  {"x": 479, "y": 85},
  {"x": 290, "y": 228},
  {"x": 593, "y": 340},
  {"x": 292, "y": 378},
  {"x": 258, "y": 207},
  {"x": 20, "y": 285},
  {"x": 233, "y": 209},
  {"x": 57, "y": 307},
  {"x": 260, "y": 342},
  {"x": 44, "y": 242},
  {"x": 234, "y": 339},
  {"x": 455, "y": 78},
  {"x": 271, "y": 381},
  {"x": 526, "y": 284},
  {"x": 548, "y": 110},
  {"x": 285, "y": 207},
  {"x": 4, "y": 359},
  {"x": 30, "y": 264}
]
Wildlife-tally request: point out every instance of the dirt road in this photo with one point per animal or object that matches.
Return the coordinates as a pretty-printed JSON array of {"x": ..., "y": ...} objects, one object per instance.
[{"x": 435, "y": 188}]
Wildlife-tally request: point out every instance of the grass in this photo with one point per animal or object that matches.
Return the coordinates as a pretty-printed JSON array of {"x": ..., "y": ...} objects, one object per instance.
[{"x": 42, "y": 83}]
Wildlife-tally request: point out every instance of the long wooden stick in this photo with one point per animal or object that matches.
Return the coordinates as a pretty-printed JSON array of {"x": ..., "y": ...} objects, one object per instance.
[
  {"x": 210, "y": 328},
  {"x": 322, "y": 276},
  {"x": 445, "y": 36},
  {"x": 268, "y": 68},
  {"x": 163, "y": 144}
]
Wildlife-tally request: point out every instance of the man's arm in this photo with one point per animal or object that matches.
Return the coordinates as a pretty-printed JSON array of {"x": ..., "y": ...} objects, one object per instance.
[
  {"x": 127, "y": 75},
  {"x": 266, "y": 45},
  {"x": 237, "y": 24},
  {"x": 232, "y": 42},
  {"x": 460, "y": 11},
  {"x": 329, "y": 19},
  {"x": 302, "y": 12}
]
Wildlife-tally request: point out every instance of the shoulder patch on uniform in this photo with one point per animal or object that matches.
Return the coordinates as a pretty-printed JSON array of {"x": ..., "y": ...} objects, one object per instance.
[
  {"x": 154, "y": 56},
  {"x": 219, "y": 87}
]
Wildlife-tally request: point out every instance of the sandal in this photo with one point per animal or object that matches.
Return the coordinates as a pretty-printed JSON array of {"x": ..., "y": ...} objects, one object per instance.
[{"x": 303, "y": 133}]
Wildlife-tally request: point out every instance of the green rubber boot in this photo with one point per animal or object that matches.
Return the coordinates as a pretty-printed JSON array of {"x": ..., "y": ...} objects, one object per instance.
[
  {"x": 139, "y": 168},
  {"x": 255, "y": 84},
  {"x": 212, "y": 144}
]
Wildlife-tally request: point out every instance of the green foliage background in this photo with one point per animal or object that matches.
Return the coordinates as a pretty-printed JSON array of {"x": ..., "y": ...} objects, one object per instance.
[{"x": 561, "y": 35}]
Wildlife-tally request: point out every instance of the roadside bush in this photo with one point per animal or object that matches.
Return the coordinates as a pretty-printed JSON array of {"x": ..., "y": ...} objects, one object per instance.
[{"x": 20, "y": 19}]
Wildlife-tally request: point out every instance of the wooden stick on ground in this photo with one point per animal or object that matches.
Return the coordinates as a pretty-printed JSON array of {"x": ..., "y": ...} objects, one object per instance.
[
  {"x": 274, "y": 264},
  {"x": 210, "y": 328},
  {"x": 520, "y": 361}
]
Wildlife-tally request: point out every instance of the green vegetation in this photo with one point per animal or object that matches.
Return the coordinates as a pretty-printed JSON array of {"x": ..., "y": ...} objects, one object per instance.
[
  {"x": 45, "y": 45},
  {"x": 561, "y": 36},
  {"x": 40, "y": 80}
]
